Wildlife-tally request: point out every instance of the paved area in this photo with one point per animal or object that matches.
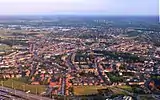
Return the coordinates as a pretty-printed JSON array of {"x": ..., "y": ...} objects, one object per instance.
[{"x": 24, "y": 96}]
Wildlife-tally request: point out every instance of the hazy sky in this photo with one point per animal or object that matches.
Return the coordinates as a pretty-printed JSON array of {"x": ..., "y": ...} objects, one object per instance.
[{"x": 104, "y": 7}]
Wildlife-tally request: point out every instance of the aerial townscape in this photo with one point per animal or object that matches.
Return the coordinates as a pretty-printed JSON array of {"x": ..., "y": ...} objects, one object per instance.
[{"x": 79, "y": 58}]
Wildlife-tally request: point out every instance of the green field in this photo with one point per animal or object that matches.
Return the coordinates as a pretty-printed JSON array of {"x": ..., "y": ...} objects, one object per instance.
[
  {"x": 23, "y": 86},
  {"x": 116, "y": 91},
  {"x": 146, "y": 98},
  {"x": 4, "y": 47},
  {"x": 125, "y": 87},
  {"x": 86, "y": 90}
]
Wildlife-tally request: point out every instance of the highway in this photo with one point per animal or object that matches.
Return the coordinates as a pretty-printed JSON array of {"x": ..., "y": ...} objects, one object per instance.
[
  {"x": 4, "y": 96},
  {"x": 25, "y": 96},
  {"x": 8, "y": 96}
]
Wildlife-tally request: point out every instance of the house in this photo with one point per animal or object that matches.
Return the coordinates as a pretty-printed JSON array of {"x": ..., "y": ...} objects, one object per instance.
[
  {"x": 35, "y": 83},
  {"x": 154, "y": 84}
]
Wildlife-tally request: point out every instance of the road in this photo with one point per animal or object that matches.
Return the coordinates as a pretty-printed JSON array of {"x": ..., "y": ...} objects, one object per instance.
[
  {"x": 100, "y": 73},
  {"x": 63, "y": 85},
  {"x": 69, "y": 63},
  {"x": 23, "y": 94},
  {"x": 8, "y": 96}
]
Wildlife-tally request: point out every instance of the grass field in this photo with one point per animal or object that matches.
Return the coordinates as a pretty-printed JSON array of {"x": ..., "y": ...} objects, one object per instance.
[
  {"x": 146, "y": 98},
  {"x": 118, "y": 92},
  {"x": 4, "y": 47},
  {"x": 86, "y": 90},
  {"x": 23, "y": 86},
  {"x": 125, "y": 87}
]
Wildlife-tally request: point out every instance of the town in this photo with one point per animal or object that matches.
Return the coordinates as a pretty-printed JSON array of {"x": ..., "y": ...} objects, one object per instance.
[{"x": 89, "y": 60}]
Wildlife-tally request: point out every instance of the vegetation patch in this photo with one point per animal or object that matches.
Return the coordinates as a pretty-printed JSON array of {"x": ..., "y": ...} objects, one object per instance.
[
  {"x": 125, "y": 87},
  {"x": 86, "y": 90},
  {"x": 19, "y": 85}
]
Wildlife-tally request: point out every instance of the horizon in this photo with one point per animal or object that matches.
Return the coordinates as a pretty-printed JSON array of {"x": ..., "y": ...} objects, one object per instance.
[{"x": 77, "y": 15}]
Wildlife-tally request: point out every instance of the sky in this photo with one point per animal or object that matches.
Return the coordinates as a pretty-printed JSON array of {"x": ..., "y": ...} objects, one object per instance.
[{"x": 79, "y": 7}]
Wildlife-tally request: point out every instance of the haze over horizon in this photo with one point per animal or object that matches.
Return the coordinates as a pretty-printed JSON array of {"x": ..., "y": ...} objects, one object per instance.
[{"x": 80, "y": 7}]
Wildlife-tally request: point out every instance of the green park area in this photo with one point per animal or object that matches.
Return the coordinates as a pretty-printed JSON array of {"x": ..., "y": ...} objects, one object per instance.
[
  {"x": 88, "y": 90},
  {"x": 125, "y": 87},
  {"x": 4, "y": 47},
  {"x": 114, "y": 77},
  {"x": 18, "y": 85},
  {"x": 145, "y": 97}
]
